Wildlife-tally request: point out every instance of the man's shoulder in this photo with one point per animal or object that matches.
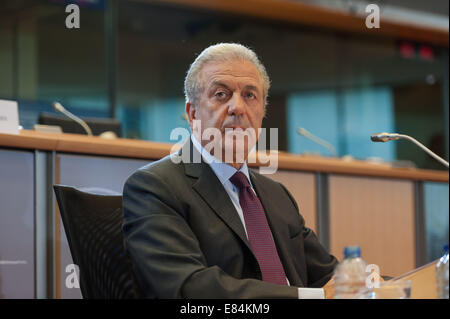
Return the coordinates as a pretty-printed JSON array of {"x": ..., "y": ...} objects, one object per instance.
[
  {"x": 162, "y": 168},
  {"x": 163, "y": 164},
  {"x": 272, "y": 185},
  {"x": 261, "y": 177},
  {"x": 273, "y": 188},
  {"x": 265, "y": 180}
]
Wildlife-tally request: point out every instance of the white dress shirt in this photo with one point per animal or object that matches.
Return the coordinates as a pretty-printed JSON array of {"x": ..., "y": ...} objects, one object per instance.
[{"x": 223, "y": 172}]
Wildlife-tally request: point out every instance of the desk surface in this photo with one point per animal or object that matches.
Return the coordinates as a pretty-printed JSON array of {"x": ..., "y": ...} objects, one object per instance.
[
  {"x": 128, "y": 148},
  {"x": 423, "y": 281}
]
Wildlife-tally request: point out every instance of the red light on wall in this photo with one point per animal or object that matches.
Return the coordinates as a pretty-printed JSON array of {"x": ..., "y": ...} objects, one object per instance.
[
  {"x": 426, "y": 52},
  {"x": 407, "y": 50}
]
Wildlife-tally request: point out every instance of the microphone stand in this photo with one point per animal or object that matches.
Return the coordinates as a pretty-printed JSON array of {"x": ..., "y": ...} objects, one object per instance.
[
  {"x": 317, "y": 140},
  {"x": 58, "y": 107},
  {"x": 384, "y": 137}
]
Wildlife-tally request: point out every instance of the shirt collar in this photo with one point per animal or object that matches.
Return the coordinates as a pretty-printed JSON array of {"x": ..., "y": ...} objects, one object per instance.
[{"x": 222, "y": 170}]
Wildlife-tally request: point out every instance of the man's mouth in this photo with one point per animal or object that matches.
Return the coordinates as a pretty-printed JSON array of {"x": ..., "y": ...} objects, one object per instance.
[{"x": 234, "y": 127}]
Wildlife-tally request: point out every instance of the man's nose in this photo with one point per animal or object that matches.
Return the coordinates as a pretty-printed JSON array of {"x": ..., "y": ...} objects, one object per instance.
[{"x": 236, "y": 105}]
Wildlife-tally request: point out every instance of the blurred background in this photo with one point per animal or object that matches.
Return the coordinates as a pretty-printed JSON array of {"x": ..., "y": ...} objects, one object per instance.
[{"x": 128, "y": 60}]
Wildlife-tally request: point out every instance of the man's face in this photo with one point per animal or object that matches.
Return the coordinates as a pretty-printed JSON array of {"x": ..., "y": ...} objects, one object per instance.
[{"x": 232, "y": 98}]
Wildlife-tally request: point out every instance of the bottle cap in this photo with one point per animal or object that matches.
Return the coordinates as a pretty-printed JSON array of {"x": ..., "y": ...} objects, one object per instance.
[{"x": 352, "y": 252}]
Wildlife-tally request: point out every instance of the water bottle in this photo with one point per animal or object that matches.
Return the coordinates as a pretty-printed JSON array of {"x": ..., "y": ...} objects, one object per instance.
[
  {"x": 351, "y": 274},
  {"x": 442, "y": 275}
]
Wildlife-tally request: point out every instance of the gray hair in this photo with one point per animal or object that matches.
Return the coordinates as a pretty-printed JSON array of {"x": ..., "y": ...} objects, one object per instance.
[{"x": 220, "y": 53}]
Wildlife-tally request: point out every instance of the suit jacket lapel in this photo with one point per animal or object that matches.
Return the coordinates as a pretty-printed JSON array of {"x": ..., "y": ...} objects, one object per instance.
[
  {"x": 211, "y": 190},
  {"x": 280, "y": 232}
]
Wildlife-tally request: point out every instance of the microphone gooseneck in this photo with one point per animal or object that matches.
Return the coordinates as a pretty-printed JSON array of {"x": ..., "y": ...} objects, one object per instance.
[
  {"x": 302, "y": 131},
  {"x": 58, "y": 107},
  {"x": 385, "y": 137}
]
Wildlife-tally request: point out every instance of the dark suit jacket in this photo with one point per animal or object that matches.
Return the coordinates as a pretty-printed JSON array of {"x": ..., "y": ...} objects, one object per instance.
[{"x": 185, "y": 238}]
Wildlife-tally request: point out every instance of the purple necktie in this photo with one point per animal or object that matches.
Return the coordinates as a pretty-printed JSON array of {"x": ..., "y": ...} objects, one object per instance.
[{"x": 258, "y": 231}]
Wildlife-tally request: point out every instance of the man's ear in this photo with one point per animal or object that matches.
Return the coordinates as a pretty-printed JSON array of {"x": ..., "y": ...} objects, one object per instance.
[{"x": 190, "y": 112}]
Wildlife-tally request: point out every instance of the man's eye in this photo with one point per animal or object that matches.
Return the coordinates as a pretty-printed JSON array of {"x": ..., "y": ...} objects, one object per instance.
[
  {"x": 220, "y": 94},
  {"x": 250, "y": 96}
]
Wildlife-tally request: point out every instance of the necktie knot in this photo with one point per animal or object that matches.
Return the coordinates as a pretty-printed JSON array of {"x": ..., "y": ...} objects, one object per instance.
[{"x": 239, "y": 180}]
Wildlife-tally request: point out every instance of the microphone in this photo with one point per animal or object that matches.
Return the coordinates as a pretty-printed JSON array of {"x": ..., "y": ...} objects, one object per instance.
[
  {"x": 302, "y": 131},
  {"x": 58, "y": 107},
  {"x": 384, "y": 137}
]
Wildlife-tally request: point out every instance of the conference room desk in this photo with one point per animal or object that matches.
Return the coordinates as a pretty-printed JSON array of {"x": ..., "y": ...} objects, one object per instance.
[{"x": 346, "y": 202}]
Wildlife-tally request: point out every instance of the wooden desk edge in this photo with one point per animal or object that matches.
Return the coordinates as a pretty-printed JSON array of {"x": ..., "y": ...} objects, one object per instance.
[{"x": 128, "y": 148}]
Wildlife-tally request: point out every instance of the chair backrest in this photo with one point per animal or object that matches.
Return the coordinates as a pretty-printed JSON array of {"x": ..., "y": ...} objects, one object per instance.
[{"x": 93, "y": 225}]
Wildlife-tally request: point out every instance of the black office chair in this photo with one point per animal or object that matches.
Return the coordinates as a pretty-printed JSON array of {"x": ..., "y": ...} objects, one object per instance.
[{"x": 93, "y": 228}]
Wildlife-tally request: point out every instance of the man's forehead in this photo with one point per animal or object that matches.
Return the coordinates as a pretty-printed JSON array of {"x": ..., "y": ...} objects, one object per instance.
[
  {"x": 219, "y": 83},
  {"x": 236, "y": 70}
]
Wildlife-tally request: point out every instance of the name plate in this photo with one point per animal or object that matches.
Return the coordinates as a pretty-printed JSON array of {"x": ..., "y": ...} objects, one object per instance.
[{"x": 9, "y": 117}]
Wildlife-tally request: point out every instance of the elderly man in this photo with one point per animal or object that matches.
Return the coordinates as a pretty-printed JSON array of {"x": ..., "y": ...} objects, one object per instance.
[{"x": 215, "y": 229}]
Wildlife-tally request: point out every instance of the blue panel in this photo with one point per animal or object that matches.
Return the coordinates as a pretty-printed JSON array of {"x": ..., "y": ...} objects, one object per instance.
[
  {"x": 316, "y": 112},
  {"x": 368, "y": 111},
  {"x": 129, "y": 118},
  {"x": 436, "y": 218},
  {"x": 365, "y": 111},
  {"x": 16, "y": 224},
  {"x": 161, "y": 117}
]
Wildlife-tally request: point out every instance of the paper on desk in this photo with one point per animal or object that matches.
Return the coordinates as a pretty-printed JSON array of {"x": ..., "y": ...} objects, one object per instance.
[{"x": 9, "y": 117}]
